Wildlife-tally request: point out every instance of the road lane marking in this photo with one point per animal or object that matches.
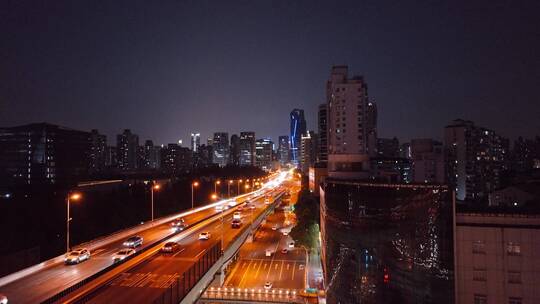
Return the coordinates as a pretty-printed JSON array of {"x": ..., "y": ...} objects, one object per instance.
[
  {"x": 259, "y": 268},
  {"x": 179, "y": 251},
  {"x": 294, "y": 267},
  {"x": 281, "y": 270},
  {"x": 244, "y": 275}
]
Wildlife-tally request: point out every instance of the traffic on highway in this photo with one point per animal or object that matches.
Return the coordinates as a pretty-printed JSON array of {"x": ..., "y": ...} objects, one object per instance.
[{"x": 192, "y": 231}]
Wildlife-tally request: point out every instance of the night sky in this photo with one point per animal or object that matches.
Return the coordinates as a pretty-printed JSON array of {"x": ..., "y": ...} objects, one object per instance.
[{"x": 181, "y": 66}]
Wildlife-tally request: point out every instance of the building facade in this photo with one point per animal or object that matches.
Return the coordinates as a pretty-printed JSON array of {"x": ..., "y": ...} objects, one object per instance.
[
  {"x": 388, "y": 147},
  {"x": 386, "y": 243},
  {"x": 152, "y": 155},
  {"x": 283, "y": 150},
  {"x": 347, "y": 100},
  {"x": 475, "y": 159},
  {"x": 220, "y": 145},
  {"x": 195, "y": 142},
  {"x": 264, "y": 149},
  {"x": 497, "y": 258},
  {"x": 247, "y": 148},
  {"x": 98, "y": 152},
  {"x": 308, "y": 151},
  {"x": 428, "y": 161},
  {"x": 297, "y": 130},
  {"x": 127, "y": 146},
  {"x": 234, "y": 158},
  {"x": 43, "y": 154},
  {"x": 322, "y": 154}
]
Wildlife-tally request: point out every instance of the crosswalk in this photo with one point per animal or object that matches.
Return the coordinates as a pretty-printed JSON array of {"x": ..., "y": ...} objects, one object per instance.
[{"x": 145, "y": 280}]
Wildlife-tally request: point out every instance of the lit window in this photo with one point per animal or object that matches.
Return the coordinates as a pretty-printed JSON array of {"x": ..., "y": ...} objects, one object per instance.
[{"x": 513, "y": 248}]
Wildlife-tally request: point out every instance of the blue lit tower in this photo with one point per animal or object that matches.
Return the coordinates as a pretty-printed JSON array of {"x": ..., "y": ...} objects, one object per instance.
[{"x": 298, "y": 128}]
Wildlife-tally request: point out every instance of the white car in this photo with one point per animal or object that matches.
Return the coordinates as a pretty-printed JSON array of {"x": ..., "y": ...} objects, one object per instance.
[
  {"x": 219, "y": 208},
  {"x": 268, "y": 285},
  {"x": 122, "y": 254},
  {"x": 76, "y": 256},
  {"x": 204, "y": 236},
  {"x": 134, "y": 241},
  {"x": 268, "y": 252},
  {"x": 285, "y": 233},
  {"x": 237, "y": 215},
  {"x": 3, "y": 299},
  {"x": 274, "y": 227},
  {"x": 291, "y": 244}
]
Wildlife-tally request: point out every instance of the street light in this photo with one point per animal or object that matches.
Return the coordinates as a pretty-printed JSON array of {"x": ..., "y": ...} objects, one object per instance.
[
  {"x": 238, "y": 187},
  {"x": 218, "y": 182},
  {"x": 154, "y": 187},
  {"x": 194, "y": 184},
  {"x": 229, "y": 187},
  {"x": 70, "y": 197},
  {"x": 214, "y": 196}
]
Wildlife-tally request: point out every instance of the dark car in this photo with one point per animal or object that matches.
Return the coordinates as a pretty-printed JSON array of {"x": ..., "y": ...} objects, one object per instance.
[
  {"x": 134, "y": 241},
  {"x": 170, "y": 247},
  {"x": 236, "y": 223}
]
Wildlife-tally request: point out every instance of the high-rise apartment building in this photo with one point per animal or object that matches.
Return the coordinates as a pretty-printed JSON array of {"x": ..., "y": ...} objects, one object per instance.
[
  {"x": 475, "y": 159},
  {"x": 127, "y": 145},
  {"x": 371, "y": 128},
  {"x": 152, "y": 155},
  {"x": 176, "y": 159},
  {"x": 98, "y": 152},
  {"x": 247, "y": 148},
  {"x": 298, "y": 129},
  {"x": 195, "y": 142},
  {"x": 42, "y": 153},
  {"x": 428, "y": 161},
  {"x": 322, "y": 153},
  {"x": 308, "y": 151},
  {"x": 347, "y": 100},
  {"x": 283, "y": 149},
  {"x": 220, "y": 145},
  {"x": 264, "y": 149},
  {"x": 234, "y": 158}
]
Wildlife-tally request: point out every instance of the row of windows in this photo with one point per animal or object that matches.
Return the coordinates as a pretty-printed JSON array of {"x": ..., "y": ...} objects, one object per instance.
[
  {"x": 514, "y": 277},
  {"x": 512, "y": 248},
  {"x": 482, "y": 299}
]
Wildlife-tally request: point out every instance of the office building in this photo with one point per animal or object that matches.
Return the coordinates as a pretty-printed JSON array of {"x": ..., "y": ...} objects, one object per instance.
[
  {"x": 43, "y": 154},
  {"x": 176, "y": 159},
  {"x": 347, "y": 100},
  {"x": 127, "y": 145},
  {"x": 247, "y": 148},
  {"x": 264, "y": 149},
  {"x": 204, "y": 157},
  {"x": 475, "y": 159},
  {"x": 283, "y": 150},
  {"x": 98, "y": 152},
  {"x": 220, "y": 145},
  {"x": 497, "y": 257},
  {"x": 195, "y": 142},
  {"x": 386, "y": 243},
  {"x": 308, "y": 151},
  {"x": 322, "y": 154},
  {"x": 298, "y": 129},
  {"x": 388, "y": 147},
  {"x": 234, "y": 158},
  {"x": 428, "y": 161}
]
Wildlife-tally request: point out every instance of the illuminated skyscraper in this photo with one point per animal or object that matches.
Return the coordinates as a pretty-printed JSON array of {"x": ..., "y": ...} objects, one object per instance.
[
  {"x": 220, "y": 146},
  {"x": 247, "y": 148},
  {"x": 283, "y": 149},
  {"x": 298, "y": 129},
  {"x": 195, "y": 141}
]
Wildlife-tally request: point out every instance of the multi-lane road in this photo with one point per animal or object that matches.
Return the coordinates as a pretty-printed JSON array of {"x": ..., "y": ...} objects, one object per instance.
[
  {"x": 146, "y": 281},
  {"x": 48, "y": 281},
  {"x": 284, "y": 270}
]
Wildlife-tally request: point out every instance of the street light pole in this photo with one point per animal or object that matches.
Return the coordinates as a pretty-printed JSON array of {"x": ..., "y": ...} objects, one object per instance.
[
  {"x": 70, "y": 196},
  {"x": 156, "y": 187},
  {"x": 229, "y": 187},
  {"x": 193, "y": 184}
]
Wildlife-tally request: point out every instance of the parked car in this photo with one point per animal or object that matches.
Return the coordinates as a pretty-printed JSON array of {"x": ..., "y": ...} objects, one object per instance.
[
  {"x": 123, "y": 254},
  {"x": 170, "y": 247},
  {"x": 77, "y": 256},
  {"x": 134, "y": 241},
  {"x": 204, "y": 236}
]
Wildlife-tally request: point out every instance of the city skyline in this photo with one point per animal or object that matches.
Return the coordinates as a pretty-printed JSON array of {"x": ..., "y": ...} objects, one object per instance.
[{"x": 426, "y": 65}]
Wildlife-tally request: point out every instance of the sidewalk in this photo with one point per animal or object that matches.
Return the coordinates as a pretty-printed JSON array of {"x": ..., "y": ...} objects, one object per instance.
[{"x": 314, "y": 270}]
